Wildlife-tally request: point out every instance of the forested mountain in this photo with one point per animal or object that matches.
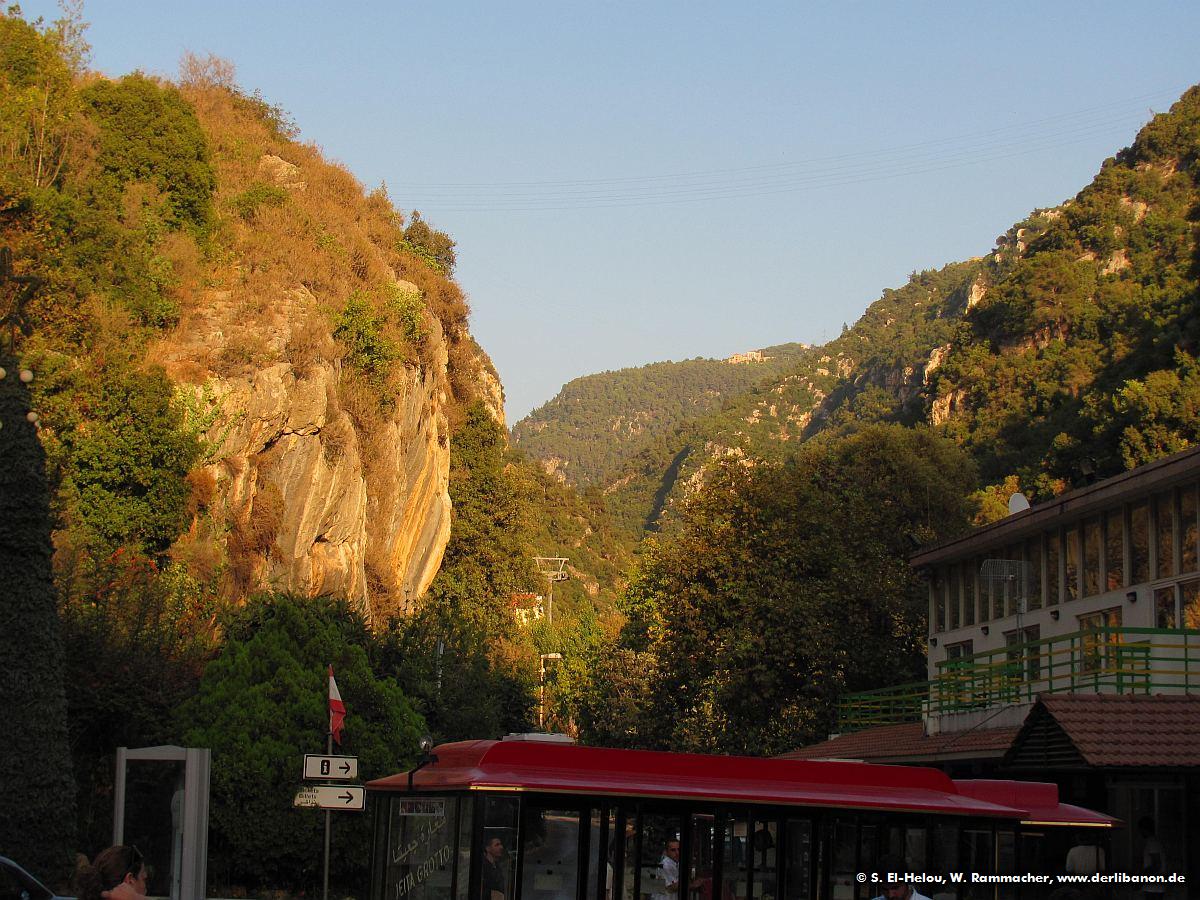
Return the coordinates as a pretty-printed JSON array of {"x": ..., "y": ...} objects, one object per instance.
[
  {"x": 596, "y": 423},
  {"x": 1073, "y": 339}
]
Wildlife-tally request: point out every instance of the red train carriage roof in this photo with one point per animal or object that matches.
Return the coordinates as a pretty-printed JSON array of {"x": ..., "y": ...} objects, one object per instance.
[
  {"x": 1039, "y": 799},
  {"x": 567, "y": 769}
]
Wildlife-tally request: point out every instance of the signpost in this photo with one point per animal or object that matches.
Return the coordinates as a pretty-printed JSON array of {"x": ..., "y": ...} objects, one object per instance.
[
  {"x": 330, "y": 768},
  {"x": 332, "y": 796}
]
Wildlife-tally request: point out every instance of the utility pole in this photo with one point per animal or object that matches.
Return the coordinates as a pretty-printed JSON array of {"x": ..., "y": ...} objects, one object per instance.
[{"x": 552, "y": 568}]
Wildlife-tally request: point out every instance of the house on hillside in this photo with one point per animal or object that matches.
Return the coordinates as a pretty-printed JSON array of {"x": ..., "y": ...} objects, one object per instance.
[{"x": 1064, "y": 645}]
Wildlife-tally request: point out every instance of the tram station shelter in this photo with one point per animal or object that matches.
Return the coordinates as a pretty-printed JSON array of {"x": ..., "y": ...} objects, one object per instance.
[{"x": 1063, "y": 646}]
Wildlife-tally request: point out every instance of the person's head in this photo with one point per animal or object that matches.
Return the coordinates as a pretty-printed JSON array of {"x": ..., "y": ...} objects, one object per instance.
[
  {"x": 672, "y": 849},
  {"x": 120, "y": 864},
  {"x": 893, "y": 866},
  {"x": 494, "y": 848},
  {"x": 1146, "y": 826}
]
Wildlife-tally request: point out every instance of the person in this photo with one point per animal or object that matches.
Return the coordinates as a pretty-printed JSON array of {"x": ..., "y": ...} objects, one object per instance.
[
  {"x": 669, "y": 864},
  {"x": 895, "y": 890},
  {"x": 492, "y": 882},
  {"x": 118, "y": 873},
  {"x": 1154, "y": 858},
  {"x": 1086, "y": 857}
]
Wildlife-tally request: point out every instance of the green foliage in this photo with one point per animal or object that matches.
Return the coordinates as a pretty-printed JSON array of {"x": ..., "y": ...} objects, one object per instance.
[
  {"x": 598, "y": 423},
  {"x": 785, "y": 584},
  {"x": 120, "y": 453},
  {"x": 380, "y": 330},
  {"x": 36, "y": 784},
  {"x": 434, "y": 248},
  {"x": 261, "y": 704},
  {"x": 248, "y": 202},
  {"x": 149, "y": 133}
]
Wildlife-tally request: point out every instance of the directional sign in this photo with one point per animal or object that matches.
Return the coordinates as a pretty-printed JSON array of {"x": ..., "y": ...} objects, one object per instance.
[
  {"x": 332, "y": 796},
  {"x": 330, "y": 768},
  {"x": 341, "y": 796}
]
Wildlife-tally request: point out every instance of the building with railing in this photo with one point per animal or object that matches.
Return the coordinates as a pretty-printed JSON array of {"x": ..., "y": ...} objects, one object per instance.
[{"x": 1084, "y": 609}]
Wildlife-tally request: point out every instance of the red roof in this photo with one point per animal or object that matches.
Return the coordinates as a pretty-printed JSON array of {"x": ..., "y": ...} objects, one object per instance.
[
  {"x": 1104, "y": 730},
  {"x": 1039, "y": 799},
  {"x": 909, "y": 743},
  {"x": 563, "y": 768}
]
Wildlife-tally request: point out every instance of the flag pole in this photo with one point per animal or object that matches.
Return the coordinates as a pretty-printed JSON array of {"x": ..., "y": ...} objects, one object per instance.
[{"x": 328, "y": 816}]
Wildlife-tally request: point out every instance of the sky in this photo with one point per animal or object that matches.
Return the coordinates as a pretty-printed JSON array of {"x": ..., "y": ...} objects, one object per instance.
[{"x": 635, "y": 182}]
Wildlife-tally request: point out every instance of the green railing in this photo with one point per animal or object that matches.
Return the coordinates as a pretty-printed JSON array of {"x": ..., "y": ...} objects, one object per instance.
[{"x": 1099, "y": 660}]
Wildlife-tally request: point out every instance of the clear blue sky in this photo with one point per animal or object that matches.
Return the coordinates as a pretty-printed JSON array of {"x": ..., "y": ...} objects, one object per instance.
[{"x": 632, "y": 182}]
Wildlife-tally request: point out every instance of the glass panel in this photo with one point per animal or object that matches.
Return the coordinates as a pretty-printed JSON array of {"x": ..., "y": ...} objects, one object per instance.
[
  {"x": 550, "y": 842},
  {"x": 1091, "y": 557},
  {"x": 421, "y": 849},
  {"x": 1164, "y": 608},
  {"x": 1033, "y": 554},
  {"x": 765, "y": 860},
  {"x": 999, "y": 594},
  {"x": 868, "y": 850},
  {"x": 1139, "y": 542},
  {"x": 1188, "y": 529},
  {"x": 968, "y": 592},
  {"x": 799, "y": 860},
  {"x": 845, "y": 864},
  {"x": 1053, "y": 576},
  {"x": 1114, "y": 550},
  {"x": 466, "y": 807},
  {"x": 944, "y": 850},
  {"x": 1071, "y": 554},
  {"x": 660, "y": 858},
  {"x": 1164, "y": 536},
  {"x": 700, "y": 863},
  {"x": 499, "y": 838},
  {"x": 599, "y": 842},
  {"x": 952, "y": 597},
  {"x": 914, "y": 849},
  {"x": 1189, "y": 604},
  {"x": 1006, "y": 861},
  {"x": 629, "y": 857},
  {"x": 735, "y": 877}
]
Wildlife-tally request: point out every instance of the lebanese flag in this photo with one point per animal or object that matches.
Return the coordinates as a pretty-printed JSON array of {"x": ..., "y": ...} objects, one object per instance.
[{"x": 337, "y": 709}]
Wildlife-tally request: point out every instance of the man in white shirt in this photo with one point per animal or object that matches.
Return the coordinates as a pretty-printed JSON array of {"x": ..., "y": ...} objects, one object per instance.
[
  {"x": 1086, "y": 857},
  {"x": 895, "y": 890},
  {"x": 670, "y": 872}
]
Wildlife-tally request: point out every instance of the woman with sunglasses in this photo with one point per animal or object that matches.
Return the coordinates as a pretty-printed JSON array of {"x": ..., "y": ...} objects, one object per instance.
[{"x": 118, "y": 873}]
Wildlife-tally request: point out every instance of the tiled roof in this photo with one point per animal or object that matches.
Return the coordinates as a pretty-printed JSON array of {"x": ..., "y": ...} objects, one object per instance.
[
  {"x": 909, "y": 743},
  {"x": 1101, "y": 730}
]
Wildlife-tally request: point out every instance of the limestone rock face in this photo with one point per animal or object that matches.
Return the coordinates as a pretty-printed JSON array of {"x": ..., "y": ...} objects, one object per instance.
[{"x": 320, "y": 504}]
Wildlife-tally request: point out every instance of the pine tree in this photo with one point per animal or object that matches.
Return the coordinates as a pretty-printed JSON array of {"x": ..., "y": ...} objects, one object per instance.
[{"x": 37, "y": 788}]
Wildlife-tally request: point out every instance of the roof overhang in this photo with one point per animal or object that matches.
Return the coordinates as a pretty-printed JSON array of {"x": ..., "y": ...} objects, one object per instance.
[{"x": 591, "y": 771}]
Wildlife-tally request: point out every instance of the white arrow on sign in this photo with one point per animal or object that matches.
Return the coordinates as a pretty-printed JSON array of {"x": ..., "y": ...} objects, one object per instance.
[
  {"x": 339, "y": 796},
  {"x": 330, "y": 768}
]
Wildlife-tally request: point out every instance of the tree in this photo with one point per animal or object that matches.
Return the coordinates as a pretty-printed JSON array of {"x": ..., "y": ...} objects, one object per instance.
[
  {"x": 262, "y": 704},
  {"x": 37, "y": 789},
  {"x": 785, "y": 585}
]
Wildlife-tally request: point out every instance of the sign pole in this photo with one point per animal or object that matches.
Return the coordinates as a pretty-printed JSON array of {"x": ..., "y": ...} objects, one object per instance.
[{"x": 328, "y": 752}]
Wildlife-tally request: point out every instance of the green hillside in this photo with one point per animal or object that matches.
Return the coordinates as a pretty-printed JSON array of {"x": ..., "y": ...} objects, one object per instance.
[
  {"x": 596, "y": 423},
  {"x": 1070, "y": 346}
]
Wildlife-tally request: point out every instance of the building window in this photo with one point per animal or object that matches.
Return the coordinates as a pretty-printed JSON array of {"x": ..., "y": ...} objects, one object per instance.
[
  {"x": 1139, "y": 541},
  {"x": 1099, "y": 650},
  {"x": 1188, "y": 529},
  {"x": 1114, "y": 550},
  {"x": 1024, "y": 661},
  {"x": 1053, "y": 568},
  {"x": 1178, "y": 605},
  {"x": 951, "y": 588},
  {"x": 1033, "y": 555},
  {"x": 960, "y": 650},
  {"x": 984, "y": 587},
  {"x": 1071, "y": 554},
  {"x": 938, "y": 601},
  {"x": 1091, "y": 557},
  {"x": 968, "y": 593},
  {"x": 1164, "y": 536}
]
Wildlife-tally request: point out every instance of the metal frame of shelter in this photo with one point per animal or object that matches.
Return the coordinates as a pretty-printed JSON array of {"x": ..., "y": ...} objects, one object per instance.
[{"x": 197, "y": 765}]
